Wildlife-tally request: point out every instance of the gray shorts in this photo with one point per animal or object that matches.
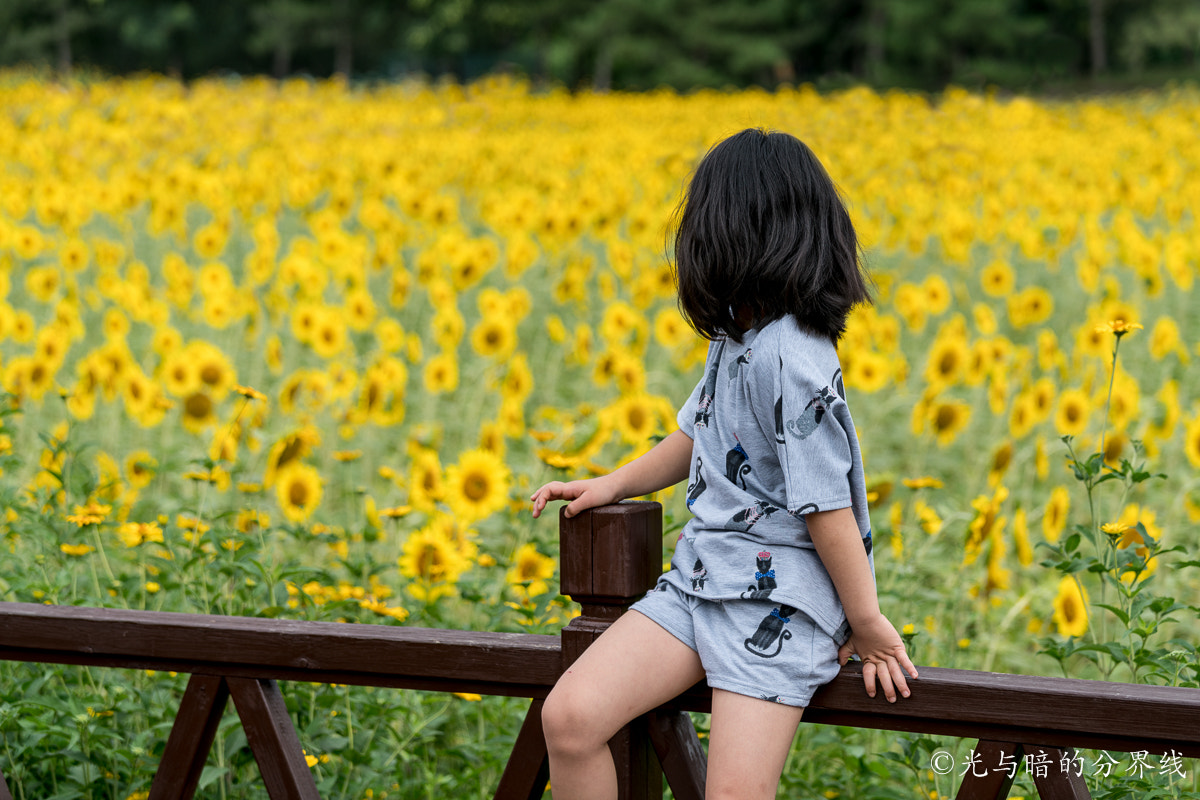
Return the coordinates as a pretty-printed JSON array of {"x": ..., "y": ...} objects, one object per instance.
[{"x": 748, "y": 647}]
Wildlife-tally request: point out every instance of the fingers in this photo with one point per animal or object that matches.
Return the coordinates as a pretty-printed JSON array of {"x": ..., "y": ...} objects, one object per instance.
[
  {"x": 889, "y": 674},
  {"x": 898, "y": 679},
  {"x": 557, "y": 490},
  {"x": 869, "y": 677},
  {"x": 844, "y": 653}
]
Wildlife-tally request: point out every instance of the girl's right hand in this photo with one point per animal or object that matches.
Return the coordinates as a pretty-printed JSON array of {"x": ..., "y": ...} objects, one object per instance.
[{"x": 583, "y": 495}]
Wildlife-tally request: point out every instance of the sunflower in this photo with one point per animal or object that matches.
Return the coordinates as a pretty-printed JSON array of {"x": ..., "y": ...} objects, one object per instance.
[
  {"x": 133, "y": 534},
  {"x": 1001, "y": 459},
  {"x": 141, "y": 394},
  {"x": 209, "y": 241},
  {"x": 199, "y": 411},
  {"x": 359, "y": 309},
  {"x": 287, "y": 451},
  {"x": 304, "y": 321},
  {"x": 1166, "y": 339},
  {"x": 998, "y": 279},
  {"x": 477, "y": 486},
  {"x": 433, "y": 559},
  {"x": 518, "y": 380},
  {"x": 29, "y": 377},
  {"x": 180, "y": 374},
  {"x": 986, "y": 524},
  {"x": 1021, "y": 537},
  {"x": 42, "y": 283},
  {"x": 670, "y": 328},
  {"x": 868, "y": 371},
  {"x": 494, "y": 337},
  {"x": 1031, "y": 306},
  {"x": 1023, "y": 415},
  {"x": 298, "y": 490},
  {"x": 1137, "y": 529},
  {"x": 1191, "y": 441},
  {"x": 425, "y": 482},
  {"x": 628, "y": 372},
  {"x": 441, "y": 374},
  {"x": 329, "y": 335},
  {"x": 947, "y": 361},
  {"x": 635, "y": 417},
  {"x": 1070, "y": 608},
  {"x": 140, "y": 469},
  {"x": 529, "y": 572},
  {"x": 948, "y": 418},
  {"x": 1071, "y": 416},
  {"x": 937, "y": 294},
  {"x": 1054, "y": 519},
  {"x": 621, "y": 323},
  {"x": 74, "y": 255}
]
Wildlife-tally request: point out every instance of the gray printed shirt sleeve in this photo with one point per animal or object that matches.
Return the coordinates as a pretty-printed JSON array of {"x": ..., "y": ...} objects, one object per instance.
[{"x": 810, "y": 420}]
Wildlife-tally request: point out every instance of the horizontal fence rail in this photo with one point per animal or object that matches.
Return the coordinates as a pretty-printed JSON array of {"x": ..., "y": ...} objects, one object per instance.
[{"x": 610, "y": 557}]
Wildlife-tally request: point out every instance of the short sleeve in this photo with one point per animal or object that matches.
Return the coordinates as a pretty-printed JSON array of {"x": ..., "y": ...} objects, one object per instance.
[
  {"x": 698, "y": 407},
  {"x": 811, "y": 435}
]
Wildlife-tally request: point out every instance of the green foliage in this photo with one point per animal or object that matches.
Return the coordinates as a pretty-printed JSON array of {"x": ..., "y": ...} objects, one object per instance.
[{"x": 626, "y": 44}]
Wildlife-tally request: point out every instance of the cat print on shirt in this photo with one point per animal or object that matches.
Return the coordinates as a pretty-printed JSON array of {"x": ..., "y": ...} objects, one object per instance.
[
  {"x": 771, "y": 632},
  {"x": 694, "y": 490},
  {"x": 699, "y": 576},
  {"x": 838, "y": 385},
  {"x": 737, "y": 465},
  {"x": 764, "y": 575},
  {"x": 802, "y": 426},
  {"x": 704, "y": 407},
  {"x": 736, "y": 366},
  {"x": 747, "y": 518}
]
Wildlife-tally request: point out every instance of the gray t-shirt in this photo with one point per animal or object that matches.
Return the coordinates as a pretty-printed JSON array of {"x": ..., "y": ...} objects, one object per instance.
[{"x": 772, "y": 441}]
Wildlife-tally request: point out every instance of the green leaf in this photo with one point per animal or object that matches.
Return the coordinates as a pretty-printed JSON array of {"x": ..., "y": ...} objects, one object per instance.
[
  {"x": 210, "y": 775},
  {"x": 1118, "y": 612}
]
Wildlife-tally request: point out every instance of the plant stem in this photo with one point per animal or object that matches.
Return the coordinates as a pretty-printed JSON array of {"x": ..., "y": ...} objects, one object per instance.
[{"x": 1112, "y": 377}]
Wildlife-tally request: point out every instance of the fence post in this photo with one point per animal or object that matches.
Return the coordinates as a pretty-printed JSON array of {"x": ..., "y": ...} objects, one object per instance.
[{"x": 611, "y": 556}]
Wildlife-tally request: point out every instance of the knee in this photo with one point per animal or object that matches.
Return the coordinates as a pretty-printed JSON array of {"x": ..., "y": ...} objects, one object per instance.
[{"x": 570, "y": 723}]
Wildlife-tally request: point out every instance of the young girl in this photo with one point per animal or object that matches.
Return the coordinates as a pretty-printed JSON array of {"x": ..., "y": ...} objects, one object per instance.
[{"x": 771, "y": 586}]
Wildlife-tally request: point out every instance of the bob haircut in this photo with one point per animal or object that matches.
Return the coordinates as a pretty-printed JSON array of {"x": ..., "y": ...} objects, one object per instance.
[{"x": 763, "y": 233}]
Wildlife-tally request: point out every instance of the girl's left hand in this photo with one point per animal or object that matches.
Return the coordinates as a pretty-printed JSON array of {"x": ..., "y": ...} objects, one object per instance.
[
  {"x": 583, "y": 494},
  {"x": 884, "y": 657}
]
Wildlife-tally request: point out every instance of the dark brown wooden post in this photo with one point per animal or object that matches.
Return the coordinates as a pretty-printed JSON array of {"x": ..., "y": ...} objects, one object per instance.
[
  {"x": 191, "y": 738},
  {"x": 1058, "y": 781},
  {"x": 992, "y": 780},
  {"x": 5, "y": 794},
  {"x": 611, "y": 556},
  {"x": 272, "y": 739}
]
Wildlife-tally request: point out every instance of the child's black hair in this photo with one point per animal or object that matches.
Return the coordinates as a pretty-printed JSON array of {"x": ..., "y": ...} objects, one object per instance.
[{"x": 762, "y": 234}]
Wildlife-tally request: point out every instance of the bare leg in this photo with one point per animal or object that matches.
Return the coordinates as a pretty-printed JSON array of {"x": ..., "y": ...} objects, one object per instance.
[
  {"x": 634, "y": 666},
  {"x": 748, "y": 745}
]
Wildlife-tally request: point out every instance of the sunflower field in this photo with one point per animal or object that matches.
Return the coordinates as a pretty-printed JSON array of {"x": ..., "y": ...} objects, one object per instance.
[{"x": 303, "y": 349}]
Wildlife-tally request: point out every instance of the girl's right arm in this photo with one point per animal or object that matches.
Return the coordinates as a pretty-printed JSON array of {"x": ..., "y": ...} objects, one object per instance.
[{"x": 666, "y": 465}]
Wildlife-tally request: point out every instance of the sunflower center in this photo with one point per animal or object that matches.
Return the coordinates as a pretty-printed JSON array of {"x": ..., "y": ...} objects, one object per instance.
[
  {"x": 198, "y": 406},
  {"x": 475, "y": 487},
  {"x": 298, "y": 494}
]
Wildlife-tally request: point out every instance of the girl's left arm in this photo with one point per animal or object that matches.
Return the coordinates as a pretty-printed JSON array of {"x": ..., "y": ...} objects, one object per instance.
[
  {"x": 873, "y": 638},
  {"x": 665, "y": 465}
]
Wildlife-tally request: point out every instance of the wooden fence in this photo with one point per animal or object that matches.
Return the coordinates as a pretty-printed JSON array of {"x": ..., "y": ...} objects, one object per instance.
[{"x": 610, "y": 557}]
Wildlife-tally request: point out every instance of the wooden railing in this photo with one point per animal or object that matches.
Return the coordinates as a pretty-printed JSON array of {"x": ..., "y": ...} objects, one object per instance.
[{"x": 610, "y": 557}]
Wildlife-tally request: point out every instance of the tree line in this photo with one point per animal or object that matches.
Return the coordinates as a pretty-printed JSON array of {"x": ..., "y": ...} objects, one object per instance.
[{"x": 620, "y": 44}]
